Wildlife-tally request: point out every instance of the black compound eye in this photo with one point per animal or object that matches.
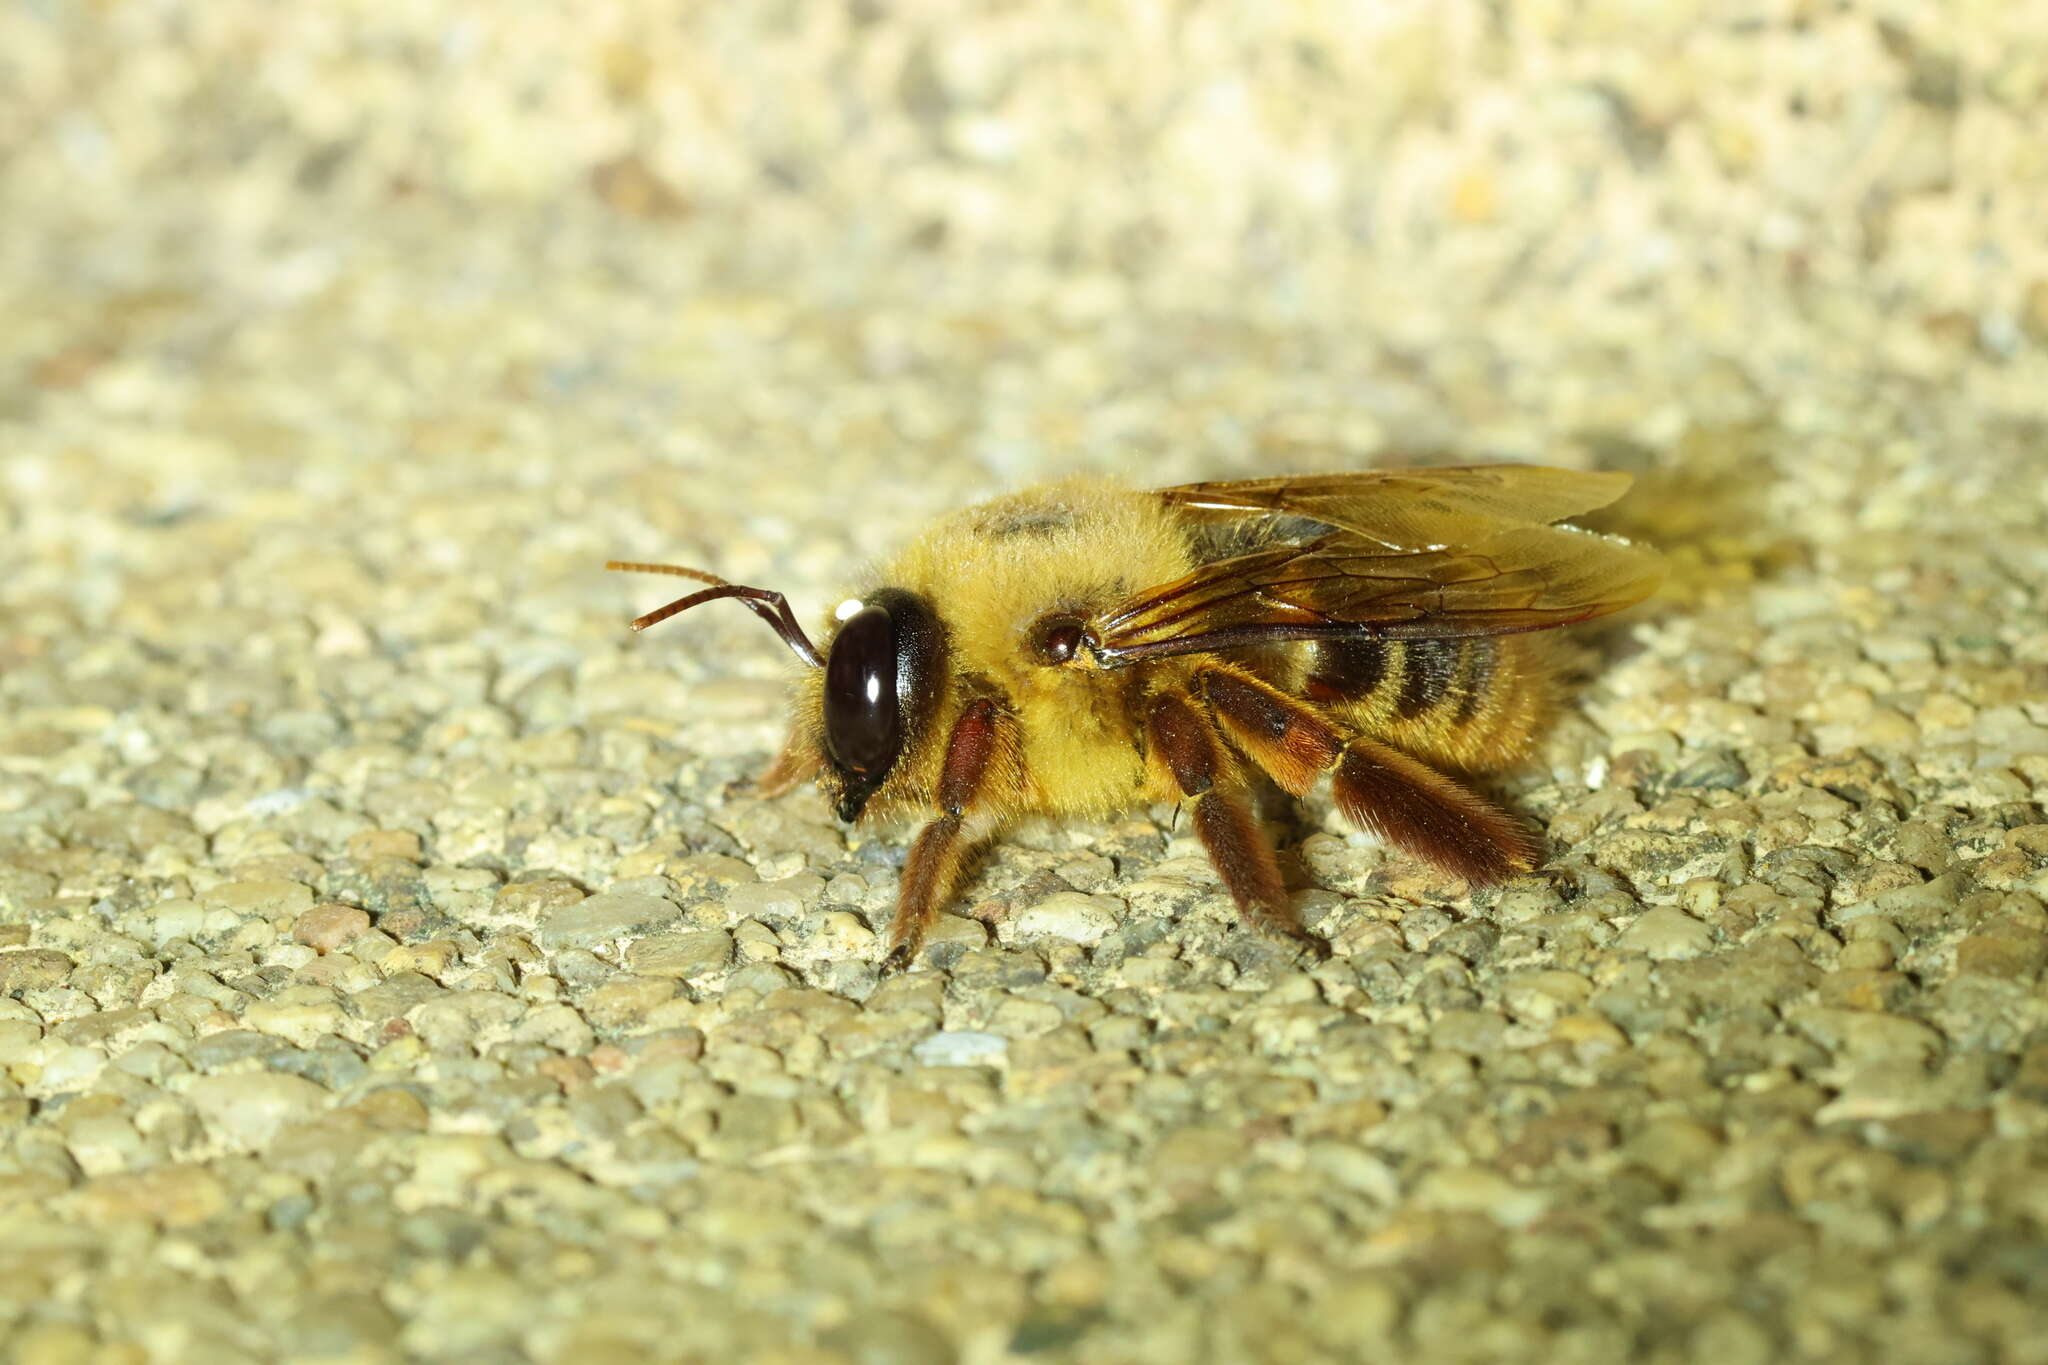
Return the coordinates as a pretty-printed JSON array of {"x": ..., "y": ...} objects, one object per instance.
[{"x": 863, "y": 725}]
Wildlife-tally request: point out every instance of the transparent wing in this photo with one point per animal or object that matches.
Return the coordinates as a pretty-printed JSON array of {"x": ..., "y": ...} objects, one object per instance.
[
  {"x": 1410, "y": 554},
  {"x": 1413, "y": 509}
]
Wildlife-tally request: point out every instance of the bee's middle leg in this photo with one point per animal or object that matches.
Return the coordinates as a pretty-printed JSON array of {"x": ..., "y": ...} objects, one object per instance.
[
  {"x": 1243, "y": 856},
  {"x": 978, "y": 742}
]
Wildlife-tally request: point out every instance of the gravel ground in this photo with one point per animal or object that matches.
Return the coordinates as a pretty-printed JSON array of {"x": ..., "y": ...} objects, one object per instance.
[{"x": 389, "y": 969}]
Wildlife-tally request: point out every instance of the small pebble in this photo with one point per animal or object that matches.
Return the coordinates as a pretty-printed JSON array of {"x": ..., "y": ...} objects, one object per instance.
[
  {"x": 1069, "y": 915},
  {"x": 330, "y": 926},
  {"x": 248, "y": 1109},
  {"x": 1667, "y": 934},
  {"x": 957, "y": 1048}
]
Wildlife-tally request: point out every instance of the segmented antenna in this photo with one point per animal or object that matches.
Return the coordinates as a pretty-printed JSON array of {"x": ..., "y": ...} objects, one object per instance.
[{"x": 771, "y": 607}]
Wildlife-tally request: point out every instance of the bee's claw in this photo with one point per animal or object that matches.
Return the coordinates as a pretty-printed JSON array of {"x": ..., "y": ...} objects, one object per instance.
[{"x": 898, "y": 960}]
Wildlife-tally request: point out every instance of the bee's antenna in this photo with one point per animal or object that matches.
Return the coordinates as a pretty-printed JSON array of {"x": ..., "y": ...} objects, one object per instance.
[{"x": 771, "y": 607}]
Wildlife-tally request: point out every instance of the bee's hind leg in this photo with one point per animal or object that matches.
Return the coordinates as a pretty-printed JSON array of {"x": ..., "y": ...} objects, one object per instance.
[
  {"x": 1411, "y": 804},
  {"x": 1223, "y": 820},
  {"x": 1401, "y": 799},
  {"x": 979, "y": 747}
]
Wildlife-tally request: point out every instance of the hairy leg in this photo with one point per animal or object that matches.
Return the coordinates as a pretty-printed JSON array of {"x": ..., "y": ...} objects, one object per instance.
[
  {"x": 797, "y": 762},
  {"x": 1223, "y": 819},
  {"x": 976, "y": 752},
  {"x": 1404, "y": 801},
  {"x": 1416, "y": 807}
]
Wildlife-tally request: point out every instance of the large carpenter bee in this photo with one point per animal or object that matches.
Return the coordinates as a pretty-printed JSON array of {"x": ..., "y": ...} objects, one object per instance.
[{"x": 1082, "y": 648}]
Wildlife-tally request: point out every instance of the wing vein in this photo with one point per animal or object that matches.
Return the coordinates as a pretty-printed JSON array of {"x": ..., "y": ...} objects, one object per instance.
[{"x": 1408, "y": 554}]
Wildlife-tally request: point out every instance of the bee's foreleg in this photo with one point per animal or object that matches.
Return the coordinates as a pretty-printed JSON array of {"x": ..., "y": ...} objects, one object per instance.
[
  {"x": 1404, "y": 801},
  {"x": 1223, "y": 820},
  {"x": 798, "y": 761},
  {"x": 974, "y": 753}
]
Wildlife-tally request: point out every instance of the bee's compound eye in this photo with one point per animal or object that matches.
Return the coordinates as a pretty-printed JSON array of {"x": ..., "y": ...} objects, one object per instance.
[{"x": 863, "y": 725}]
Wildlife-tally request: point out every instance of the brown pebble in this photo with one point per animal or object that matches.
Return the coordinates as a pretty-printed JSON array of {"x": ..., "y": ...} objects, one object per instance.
[
  {"x": 392, "y": 1109},
  {"x": 1865, "y": 989},
  {"x": 32, "y": 969},
  {"x": 2034, "y": 312},
  {"x": 329, "y": 926},
  {"x": 571, "y": 1073},
  {"x": 2015, "y": 956},
  {"x": 174, "y": 1196},
  {"x": 684, "y": 1044},
  {"x": 384, "y": 843}
]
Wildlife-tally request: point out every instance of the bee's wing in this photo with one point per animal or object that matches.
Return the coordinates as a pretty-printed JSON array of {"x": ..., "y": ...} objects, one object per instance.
[
  {"x": 1413, "y": 509},
  {"x": 1413, "y": 554}
]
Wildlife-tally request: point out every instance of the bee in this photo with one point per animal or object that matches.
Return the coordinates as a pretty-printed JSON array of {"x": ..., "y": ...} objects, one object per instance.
[{"x": 1082, "y": 648}]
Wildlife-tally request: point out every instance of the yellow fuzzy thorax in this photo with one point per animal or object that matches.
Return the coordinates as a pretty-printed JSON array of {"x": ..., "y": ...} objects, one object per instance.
[
  {"x": 989, "y": 572},
  {"x": 992, "y": 570}
]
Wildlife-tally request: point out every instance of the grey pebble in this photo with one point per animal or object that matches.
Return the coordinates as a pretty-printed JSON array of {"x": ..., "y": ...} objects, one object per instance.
[
  {"x": 961, "y": 1048},
  {"x": 606, "y": 917}
]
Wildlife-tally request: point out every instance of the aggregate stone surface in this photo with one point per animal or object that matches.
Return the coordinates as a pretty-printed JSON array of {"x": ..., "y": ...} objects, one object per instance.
[{"x": 394, "y": 967}]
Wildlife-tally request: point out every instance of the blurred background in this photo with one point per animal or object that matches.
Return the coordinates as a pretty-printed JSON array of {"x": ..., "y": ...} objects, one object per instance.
[
  {"x": 614, "y": 277},
  {"x": 344, "y": 344}
]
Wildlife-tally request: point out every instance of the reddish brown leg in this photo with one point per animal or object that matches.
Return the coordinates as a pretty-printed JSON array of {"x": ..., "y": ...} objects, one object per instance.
[
  {"x": 1416, "y": 807},
  {"x": 934, "y": 862},
  {"x": 1223, "y": 820},
  {"x": 797, "y": 762},
  {"x": 1404, "y": 801},
  {"x": 1292, "y": 742}
]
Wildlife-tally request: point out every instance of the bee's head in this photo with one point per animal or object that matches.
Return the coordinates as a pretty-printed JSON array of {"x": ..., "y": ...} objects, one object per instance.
[{"x": 882, "y": 674}]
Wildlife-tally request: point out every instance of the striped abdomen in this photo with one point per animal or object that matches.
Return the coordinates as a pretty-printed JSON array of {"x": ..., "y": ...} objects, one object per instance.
[{"x": 1471, "y": 703}]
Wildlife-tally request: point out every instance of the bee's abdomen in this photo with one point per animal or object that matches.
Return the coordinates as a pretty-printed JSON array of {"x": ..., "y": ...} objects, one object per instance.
[{"x": 1472, "y": 703}]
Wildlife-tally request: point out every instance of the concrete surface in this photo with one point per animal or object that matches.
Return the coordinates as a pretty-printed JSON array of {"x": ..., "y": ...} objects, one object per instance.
[{"x": 387, "y": 973}]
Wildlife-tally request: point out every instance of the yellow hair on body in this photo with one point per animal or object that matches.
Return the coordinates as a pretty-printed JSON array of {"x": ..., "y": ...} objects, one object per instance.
[
  {"x": 1080, "y": 547},
  {"x": 992, "y": 570}
]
